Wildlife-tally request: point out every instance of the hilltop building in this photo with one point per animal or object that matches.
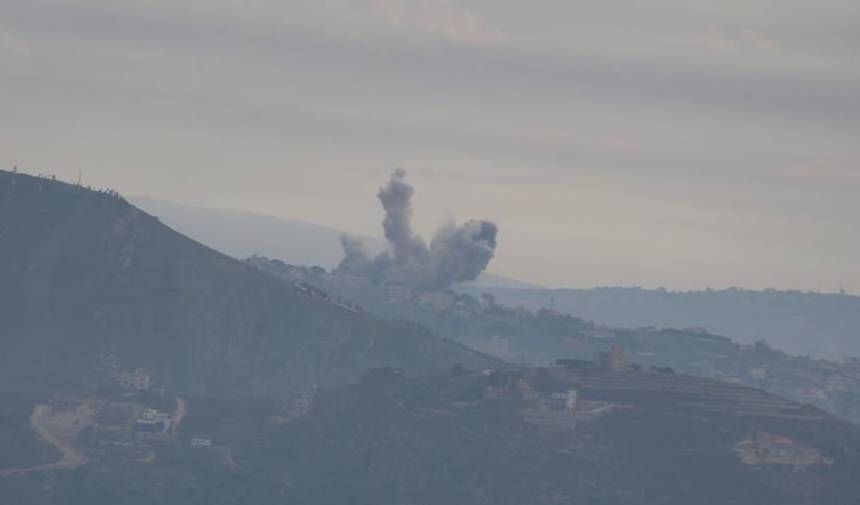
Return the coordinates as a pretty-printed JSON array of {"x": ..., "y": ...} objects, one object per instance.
[
  {"x": 569, "y": 400},
  {"x": 556, "y": 410},
  {"x": 152, "y": 422}
]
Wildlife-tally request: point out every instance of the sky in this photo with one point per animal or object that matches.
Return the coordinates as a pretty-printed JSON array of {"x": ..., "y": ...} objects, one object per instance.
[{"x": 670, "y": 143}]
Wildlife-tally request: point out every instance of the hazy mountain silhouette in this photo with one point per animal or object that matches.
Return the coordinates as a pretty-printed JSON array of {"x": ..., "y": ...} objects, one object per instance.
[
  {"x": 804, "y": 323},
  {"x": 85, "y": 275}
]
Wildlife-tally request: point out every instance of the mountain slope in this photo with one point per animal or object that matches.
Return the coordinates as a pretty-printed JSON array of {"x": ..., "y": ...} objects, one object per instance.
[
  {"x": 242, "y": 234},
  {"x": 90, "y": 282},
  {"x": 818, "y": 325},
  {"x": 540, "y": 337},
  {"x": 653, "y": 439},
  {"x": 632, "y": 438}
]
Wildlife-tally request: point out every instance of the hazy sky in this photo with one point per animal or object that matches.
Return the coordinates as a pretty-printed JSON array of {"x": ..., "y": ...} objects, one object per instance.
[{"x": 676, "y": 143}]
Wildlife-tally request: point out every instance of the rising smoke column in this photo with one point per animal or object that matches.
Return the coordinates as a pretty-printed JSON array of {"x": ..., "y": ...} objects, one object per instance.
[
  {"x": 457, "y": 253},
  {"x": 396, "y": 199}
]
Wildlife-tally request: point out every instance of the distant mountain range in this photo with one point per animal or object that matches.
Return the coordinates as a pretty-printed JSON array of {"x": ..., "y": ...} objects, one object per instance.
[{"x": 800, "y": 323}]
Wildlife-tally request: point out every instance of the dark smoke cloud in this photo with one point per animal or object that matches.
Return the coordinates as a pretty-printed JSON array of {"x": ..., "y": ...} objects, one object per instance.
[
  {"x": 396, "y": 199},
  {"x": 457, "y": 253}
]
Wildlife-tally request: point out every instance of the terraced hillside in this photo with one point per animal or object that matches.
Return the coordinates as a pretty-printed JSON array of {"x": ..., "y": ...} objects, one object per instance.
[
  {"x": 665, "y": 439},
  {"x": 630, "y": 438}
]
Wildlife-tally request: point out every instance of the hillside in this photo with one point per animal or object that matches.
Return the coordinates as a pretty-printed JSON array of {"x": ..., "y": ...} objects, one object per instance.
[
  {"x": 542, "y": 336},
  {"x": 809, "y": 324},
  {"x": 140, "y": 367},
  {"x": 479, "y": 438},
  {"x": 93, "y": 287},
  {"x": 243, "y": 234},
  {"x": 817, "y": 325},
  {"x": 634, "y": 438}
]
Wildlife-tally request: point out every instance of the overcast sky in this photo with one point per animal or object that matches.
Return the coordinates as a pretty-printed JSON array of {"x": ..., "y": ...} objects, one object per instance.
[{"x": 676, "y": 143}]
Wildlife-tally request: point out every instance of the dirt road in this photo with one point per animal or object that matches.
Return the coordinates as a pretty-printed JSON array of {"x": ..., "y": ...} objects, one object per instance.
[
  {"x": 178, "y": 415},
  {"x": 61, "y": 430}
]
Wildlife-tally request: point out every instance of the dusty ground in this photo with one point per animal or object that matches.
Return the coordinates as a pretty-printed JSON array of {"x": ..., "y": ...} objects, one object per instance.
[{"x": 60, "y": 429}]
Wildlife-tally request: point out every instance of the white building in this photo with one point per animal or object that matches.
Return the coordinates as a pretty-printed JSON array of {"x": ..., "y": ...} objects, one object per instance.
[
  {"x": 569, "y": 399},
  {"x": 155, "y": 416},
  {"x": 153, "y": 422},
  {"x": 199, "y": 443}
]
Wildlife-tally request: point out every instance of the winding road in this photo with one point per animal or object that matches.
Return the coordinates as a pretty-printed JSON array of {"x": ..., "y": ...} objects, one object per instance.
[{"x": 60, "y": 430}]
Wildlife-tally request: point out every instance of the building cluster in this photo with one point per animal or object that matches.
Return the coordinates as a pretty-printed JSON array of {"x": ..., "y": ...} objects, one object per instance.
[
  {"x": 300, "y": 405},
  {"x": 138, "y": 380},
  {"x": 153, "y": 422},
  {"x": 563, "y": 402},
  {"x": 554, "y": 410},
  {"x": 774, "y": 449},
  {"x": 201, "y": 443}
]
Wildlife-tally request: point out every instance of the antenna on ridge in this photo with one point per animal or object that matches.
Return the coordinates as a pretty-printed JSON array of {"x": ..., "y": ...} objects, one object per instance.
[{"x": 80, "y": 176}]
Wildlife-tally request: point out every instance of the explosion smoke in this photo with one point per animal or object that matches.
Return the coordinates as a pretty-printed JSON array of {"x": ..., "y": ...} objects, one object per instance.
[{"x": 457, "y": 253}]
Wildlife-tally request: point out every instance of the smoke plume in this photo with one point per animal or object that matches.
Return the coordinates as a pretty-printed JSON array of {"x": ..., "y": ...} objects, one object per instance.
[{"x": 457, "y": 253}]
